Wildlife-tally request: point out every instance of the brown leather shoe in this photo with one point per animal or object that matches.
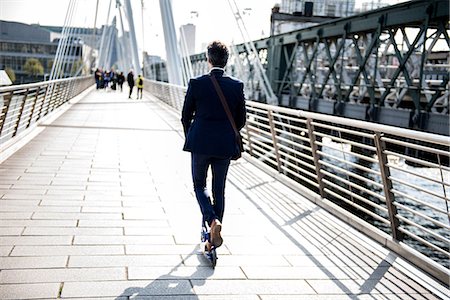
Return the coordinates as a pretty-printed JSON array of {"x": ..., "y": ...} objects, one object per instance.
[{"x": 216, "y": 238}]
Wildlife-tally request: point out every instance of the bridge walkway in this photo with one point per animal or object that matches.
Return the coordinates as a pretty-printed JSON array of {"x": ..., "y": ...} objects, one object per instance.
[{"x": 100, "y": 205}]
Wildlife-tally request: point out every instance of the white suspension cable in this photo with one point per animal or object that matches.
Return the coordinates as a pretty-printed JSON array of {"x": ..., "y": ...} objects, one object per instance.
[
  {"x": 94, "y": 40},
  {"x": 60, "y": 43},
  {"x": 239, "y": 66},
  {"x": 185, "y": 55},
  {"x": 61, "y": 62},
  {"x": 122, "y": 46},
  {"x": 109, "y": 43},
  {"x": 133, "y": 42},
  {"x": 173, "y": 56},
  {"x": 143, "y": 39},
  {"x": 70, "y": 60},
  {"x": 102, "y": 41},
  {"x": 251, "y": 50}
]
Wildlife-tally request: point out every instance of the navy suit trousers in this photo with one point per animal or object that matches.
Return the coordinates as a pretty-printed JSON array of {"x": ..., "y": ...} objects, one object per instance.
[{"x": 211, "y": 208}]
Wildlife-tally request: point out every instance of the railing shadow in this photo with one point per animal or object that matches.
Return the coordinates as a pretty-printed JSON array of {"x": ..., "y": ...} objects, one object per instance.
[
  {"x": 170, "y": 284},
  {"x": 362, "y": 269}
]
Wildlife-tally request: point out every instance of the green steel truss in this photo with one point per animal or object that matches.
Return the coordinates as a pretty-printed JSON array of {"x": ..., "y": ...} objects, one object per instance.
[{"x": 388, "y": 65}]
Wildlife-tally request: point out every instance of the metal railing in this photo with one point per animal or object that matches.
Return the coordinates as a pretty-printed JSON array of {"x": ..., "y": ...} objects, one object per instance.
[
  {"x": 21, "y": 106},
  {"x": 368, "y": 169}
]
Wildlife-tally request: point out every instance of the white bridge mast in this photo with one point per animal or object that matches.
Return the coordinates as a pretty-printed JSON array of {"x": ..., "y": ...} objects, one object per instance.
[{"x": 174, "y": 65}]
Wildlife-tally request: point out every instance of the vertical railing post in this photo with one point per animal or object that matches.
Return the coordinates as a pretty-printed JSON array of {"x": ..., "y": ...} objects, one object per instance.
[
  {"x": 62, "y": 95},
  {"x": 43, "y": 102},
  {"x": 56, "y": 97},
  {"x": 54, "y": 86},
  {"x": 4, "y": 112},
  {"x": 315, "y": 155},
  {"x": 34, "y": 106},
  {"x": 250, "y": 148},
  {"x": 387, "y": 186},
  {"x": 72, "y": 90},
  {"x": 22, "y": 106},
  {"x": 274, "y": 140},
  {"x": 59, "y": 95},
  {"x": 66, "y": 93}
]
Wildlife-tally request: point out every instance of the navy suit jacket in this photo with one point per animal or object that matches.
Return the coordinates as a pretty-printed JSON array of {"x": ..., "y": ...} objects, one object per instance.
[{"x": 206, "y": 126}]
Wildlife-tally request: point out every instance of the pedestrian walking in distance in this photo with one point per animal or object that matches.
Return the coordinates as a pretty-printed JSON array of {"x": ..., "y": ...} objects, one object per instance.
[
  {"x": 130, "y": 80},
  {"x": 140, "y": 86},
  {"x": 211, "y": 136},
  {"x": 120, "y": 80}
]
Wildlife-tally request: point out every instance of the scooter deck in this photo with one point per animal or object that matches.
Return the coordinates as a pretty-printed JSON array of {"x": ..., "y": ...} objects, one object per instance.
[{"x": 211, "y": 256}]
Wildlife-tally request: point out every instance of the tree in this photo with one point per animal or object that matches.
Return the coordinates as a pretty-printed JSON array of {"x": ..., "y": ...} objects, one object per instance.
[
  {"x": 49, "y": 64},
  {"x": 11, "y": 74},
  {"x": 33, "y": 67},
  {"x": 75, "y": 66}
]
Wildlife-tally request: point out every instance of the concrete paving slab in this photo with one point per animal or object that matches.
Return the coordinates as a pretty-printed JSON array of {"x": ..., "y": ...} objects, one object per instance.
[
  {"x": 32, "y": 208},
  {"x": 127, "y": 288},
  {"x": 35, "y": 240},
  {"x": 124, "y": 240},
  {"x": 239, "y": 260},
  {"x": 66, "y": 250},
  {"x": 297, "y": 273},
  {"x": 199, "y": 272},
  {"x": 87, "y": 261},
  {"x": 15, "y": 215},
  {"x": 6, "y": 231},
  {"x": 63, "y": 275},
  {"x": 76, "y": 216},
  {"x": 15, "y": 202},
  {"x": 72, "y": 231},
  {"x": 236, "y": 287},
  {"x": 5, "y": 250},
  {"x": 168, "y": 249},
  {"x": 29, "y": 291},
  {"x": 11, "y": 262},
  {"x": 123, "y": 223},
  {"x": 38, "y": 223}
]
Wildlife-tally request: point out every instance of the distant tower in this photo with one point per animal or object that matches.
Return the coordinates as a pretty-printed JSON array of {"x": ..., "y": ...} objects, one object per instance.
[{"x": 189, "y": 36}]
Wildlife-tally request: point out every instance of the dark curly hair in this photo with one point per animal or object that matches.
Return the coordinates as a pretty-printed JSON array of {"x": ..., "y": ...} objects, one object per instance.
[{"x": 217, "y": 54}]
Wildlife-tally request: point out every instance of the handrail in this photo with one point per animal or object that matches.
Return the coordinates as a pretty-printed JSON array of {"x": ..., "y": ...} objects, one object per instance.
[
  {"x": 23, "y": 105},
  {"x": 36, "y": 84},
  {"x": 283, "y": 138},
  {"x": 407, "y": 133}
]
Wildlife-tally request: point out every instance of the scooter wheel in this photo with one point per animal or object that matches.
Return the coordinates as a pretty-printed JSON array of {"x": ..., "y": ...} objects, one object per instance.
[{"x": 213, "y": 258}]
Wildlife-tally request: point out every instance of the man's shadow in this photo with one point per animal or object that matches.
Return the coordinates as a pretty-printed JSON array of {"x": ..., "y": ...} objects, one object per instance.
[{"x": 170, "y": 284}]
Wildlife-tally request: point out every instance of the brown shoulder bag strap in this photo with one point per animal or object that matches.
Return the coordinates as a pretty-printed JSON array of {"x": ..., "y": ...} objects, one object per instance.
[{"x": 224, "y": 103}]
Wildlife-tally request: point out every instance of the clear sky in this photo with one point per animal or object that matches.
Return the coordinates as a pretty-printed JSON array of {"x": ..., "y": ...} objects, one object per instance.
[{"x": 213, "y": 18}]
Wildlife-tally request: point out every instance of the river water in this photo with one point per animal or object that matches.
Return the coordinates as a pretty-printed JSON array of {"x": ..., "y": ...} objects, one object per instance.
[{"x": 414, "y": 191}]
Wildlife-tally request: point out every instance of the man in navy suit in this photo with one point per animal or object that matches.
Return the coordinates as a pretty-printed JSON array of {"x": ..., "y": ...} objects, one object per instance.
[{"x": 210, "y": 137}]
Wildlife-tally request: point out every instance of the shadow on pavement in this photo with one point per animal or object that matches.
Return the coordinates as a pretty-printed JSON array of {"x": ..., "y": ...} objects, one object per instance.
[
  {"x": 353, "y": 265},
  {"x": 171, "y": 285}
]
